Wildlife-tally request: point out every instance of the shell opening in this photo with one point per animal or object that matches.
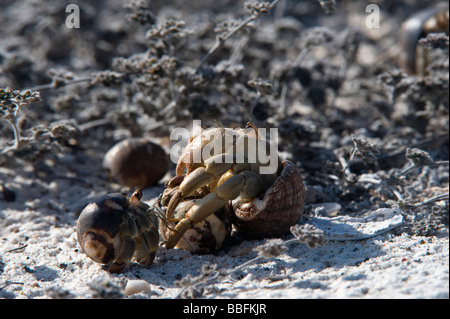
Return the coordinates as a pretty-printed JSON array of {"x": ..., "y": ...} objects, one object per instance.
[{"x": 97, "y": 247}]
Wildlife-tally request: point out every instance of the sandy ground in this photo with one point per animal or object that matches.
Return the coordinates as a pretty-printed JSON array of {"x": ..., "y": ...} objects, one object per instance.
[{"x": 40, "y": 258}]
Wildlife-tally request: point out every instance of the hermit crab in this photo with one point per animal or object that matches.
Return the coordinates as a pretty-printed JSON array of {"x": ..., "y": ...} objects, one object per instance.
[
  {"x": 233, "y": 178},
  {"x": 114, "y": 228},
  {"x": 237, "y": 170}
]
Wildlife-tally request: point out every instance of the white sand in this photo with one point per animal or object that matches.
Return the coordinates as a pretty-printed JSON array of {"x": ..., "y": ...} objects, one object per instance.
[{"x": 50, "y": 263}]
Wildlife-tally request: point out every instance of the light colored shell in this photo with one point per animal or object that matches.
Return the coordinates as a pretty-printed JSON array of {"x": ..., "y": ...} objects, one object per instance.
[
  {"x": 279, "y": 209},
  {"x": 207, "y": 235}
]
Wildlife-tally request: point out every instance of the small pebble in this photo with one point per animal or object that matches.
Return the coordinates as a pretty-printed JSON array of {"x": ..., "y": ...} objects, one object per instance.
[
  {"x": 136, "y": 286},
  {"x": 327, "y": 209}
]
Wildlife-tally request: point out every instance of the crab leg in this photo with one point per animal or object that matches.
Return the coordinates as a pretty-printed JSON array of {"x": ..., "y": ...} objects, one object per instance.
[
  {"x": 197, "y": 179},
  {"x": 147, "y": 247},
  {"x": 124, "y": 255},
  {"x": 200, "y": 177},
  {"x": 247, "y": 184}
]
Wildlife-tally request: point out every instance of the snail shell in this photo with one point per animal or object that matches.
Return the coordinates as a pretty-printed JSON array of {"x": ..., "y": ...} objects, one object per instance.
[
  {"x": 204, "y": 237},
  {"x": 136, "y": 162},
  {"x": 279, "y": 209}
]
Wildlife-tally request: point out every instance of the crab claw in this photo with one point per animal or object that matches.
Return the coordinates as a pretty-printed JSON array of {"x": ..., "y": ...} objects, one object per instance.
[{"x": 246, "y": 184}]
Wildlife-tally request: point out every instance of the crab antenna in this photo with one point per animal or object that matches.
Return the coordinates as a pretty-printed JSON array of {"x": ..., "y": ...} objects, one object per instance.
[
  {"x": 156, "y": 209},
  {"x": 218, "y": 124},
  {"x": 250, "y": 124}
]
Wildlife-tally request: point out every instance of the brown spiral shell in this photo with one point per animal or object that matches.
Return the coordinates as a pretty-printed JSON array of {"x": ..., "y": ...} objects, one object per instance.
[
  {"x": 279, "y": 209},
  {"x": 136, "y": 162}
]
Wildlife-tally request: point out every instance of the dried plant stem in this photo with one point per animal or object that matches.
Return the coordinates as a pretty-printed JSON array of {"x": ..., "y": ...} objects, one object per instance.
[
  {"x": 16, "y": 135},
  {"x": 16, "y": 138},
  {"x": 437, "y": 198},
  {"x": 7, "y": 283},
  {"x": 221, "y": 40},
  {"x": 346, "y": 164},
  {"x": 10, "y": 103},
  {"x": 54, "y": 85},
  {"x": 410, "y": 168},
  {"x": 12, "y": 121},
  {"x": 16, "y": 249}
]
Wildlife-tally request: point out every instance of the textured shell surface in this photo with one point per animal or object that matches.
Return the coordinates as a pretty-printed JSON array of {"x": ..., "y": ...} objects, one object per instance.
[
  {"x": 106, "y": 214},
  {"x": 280, "y": 208},
  {"x": 98, "y": 226},
  {"x": 136, "y": 162},
  {"x": 217, "y": 139}
]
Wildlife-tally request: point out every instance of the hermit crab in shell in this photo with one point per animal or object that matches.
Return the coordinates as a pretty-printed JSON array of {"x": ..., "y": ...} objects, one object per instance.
[
  {"x": 239, "y": 170},
  {"x": 114, "y": 228}
]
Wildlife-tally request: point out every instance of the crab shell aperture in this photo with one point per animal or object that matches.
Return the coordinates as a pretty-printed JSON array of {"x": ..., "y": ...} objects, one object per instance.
[
  {"x": 279, "y": 209},
  {"x": 98, "y": 225}
]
